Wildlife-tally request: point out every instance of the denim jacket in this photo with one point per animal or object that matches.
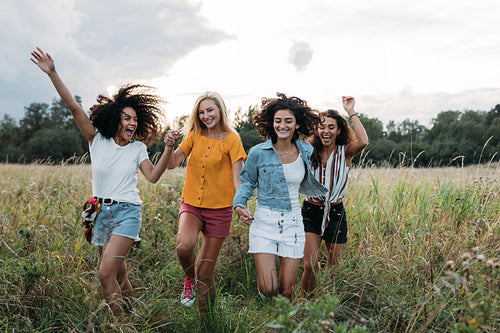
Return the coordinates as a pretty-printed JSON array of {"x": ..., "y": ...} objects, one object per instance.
[{"x": 263, "y": 170}]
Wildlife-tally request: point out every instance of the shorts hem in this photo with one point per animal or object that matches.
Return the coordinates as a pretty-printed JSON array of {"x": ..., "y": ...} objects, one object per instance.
[
  {"x": 212, "y": 236},
  {"x": 136, "y": 239},
  {"x": 276, "y": 254}
]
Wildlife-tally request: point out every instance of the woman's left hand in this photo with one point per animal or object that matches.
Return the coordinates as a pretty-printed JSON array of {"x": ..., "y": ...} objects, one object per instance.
[{"x": 244, "y": 214}]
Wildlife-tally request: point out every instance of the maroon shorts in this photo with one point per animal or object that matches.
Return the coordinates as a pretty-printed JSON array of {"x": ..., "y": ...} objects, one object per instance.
[{"x": 216, "y": 222}]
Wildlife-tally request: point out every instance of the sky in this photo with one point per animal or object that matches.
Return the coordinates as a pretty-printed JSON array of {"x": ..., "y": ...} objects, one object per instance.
[{"x": 400, "y": 59}]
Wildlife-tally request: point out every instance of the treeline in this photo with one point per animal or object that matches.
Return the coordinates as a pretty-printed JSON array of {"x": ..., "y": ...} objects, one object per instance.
[{"x": 48, "y": 133}]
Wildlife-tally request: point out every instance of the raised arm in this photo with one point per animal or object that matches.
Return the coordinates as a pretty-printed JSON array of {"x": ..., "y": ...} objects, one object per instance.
[
  {"x": 355, "y": 147},
  {"x": 45, "y": 62}
]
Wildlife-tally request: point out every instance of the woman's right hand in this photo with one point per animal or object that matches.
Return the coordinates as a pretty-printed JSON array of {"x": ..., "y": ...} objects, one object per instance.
[
  {"x": 244, "y": 214},
  {"x": 43, "y": 60}
]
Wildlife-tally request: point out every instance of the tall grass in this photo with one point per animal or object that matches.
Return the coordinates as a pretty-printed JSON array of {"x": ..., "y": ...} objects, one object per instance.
[{"x": 422, "y": 256}]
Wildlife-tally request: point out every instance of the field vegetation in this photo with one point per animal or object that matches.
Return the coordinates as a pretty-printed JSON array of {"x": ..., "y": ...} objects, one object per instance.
[{"x": 422, "y": 256}]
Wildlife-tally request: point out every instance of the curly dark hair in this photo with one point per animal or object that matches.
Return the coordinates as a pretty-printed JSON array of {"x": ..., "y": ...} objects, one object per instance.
[
  {"x": 304, "y": 116},
  {"x": 346, "y": 135},
  {"x": 106, "y": 114}
]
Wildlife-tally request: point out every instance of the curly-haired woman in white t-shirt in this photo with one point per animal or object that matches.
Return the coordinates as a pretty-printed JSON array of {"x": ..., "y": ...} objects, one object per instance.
[{"x": 117, "y": 130}]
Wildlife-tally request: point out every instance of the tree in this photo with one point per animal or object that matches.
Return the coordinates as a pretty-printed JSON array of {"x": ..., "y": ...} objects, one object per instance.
[
  {"x": 60, "y": 116},
  {"x": 54, "y": 144},
  {"x": 10, "y": 139},
  {"x": 374, "y": 127},
  {"x": 244, "y": 126},
  {"x": 36, "y": 117}
]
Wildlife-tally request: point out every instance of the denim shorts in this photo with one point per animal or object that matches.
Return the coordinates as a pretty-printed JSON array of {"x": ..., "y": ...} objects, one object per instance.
[
  {"x": 278, "y": 233},
  {"x": 122, "y": 219},
  {"x": 336, "y": 229}
]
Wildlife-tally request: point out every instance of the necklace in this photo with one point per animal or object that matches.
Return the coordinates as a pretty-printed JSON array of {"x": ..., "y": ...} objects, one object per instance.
[{"x": 280, "y": 153}]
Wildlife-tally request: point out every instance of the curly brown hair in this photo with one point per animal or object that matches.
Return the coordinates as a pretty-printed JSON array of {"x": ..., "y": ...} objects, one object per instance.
[
  {"x": 105, "y": 115},
  {"x": 345, "y": 136},
  {"x": 304, "y": 116}
]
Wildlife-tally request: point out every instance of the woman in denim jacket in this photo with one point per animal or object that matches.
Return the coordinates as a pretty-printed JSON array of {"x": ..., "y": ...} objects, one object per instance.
[{"x": 280, "y": 169}]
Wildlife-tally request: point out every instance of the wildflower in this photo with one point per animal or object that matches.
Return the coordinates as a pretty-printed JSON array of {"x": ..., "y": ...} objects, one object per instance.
[
  {"x": 465, "y": 265},
  {"x": 362, "y": 320},
  {"x": 450, "y": 264},
  {"x": 466, "y": 256},
  {"x": 493, "y": 263},
  {"x": 480, "y": 257},
  {"x": 476, "y": 249}
]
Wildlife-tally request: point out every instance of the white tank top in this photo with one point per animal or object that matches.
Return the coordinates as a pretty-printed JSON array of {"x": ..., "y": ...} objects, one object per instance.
[{"x": 294, "y": 174}]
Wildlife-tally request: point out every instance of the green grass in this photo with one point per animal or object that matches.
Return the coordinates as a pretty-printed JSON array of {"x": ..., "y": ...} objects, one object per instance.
[{"x": 422, "y": 256}]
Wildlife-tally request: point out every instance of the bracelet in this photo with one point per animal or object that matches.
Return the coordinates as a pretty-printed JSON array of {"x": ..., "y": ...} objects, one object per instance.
[{"x": 352, "y": 115}]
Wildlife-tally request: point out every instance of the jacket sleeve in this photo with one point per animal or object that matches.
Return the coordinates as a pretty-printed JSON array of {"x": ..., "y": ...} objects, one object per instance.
[{"x": 248, "y": 177}]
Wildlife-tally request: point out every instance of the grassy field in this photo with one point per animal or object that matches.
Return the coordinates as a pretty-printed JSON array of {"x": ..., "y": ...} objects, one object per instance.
[{"x": 422, "y": 256}]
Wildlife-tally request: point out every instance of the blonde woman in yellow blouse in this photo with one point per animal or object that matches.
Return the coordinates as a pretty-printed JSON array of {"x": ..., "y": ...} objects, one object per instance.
[{"x": 216, "y": 158}]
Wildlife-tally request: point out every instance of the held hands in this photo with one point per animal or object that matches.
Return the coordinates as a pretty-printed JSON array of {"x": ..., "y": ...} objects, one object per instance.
[
  {"x": 244, "y": 214},
  {"x": 171, "y": 138},
  {"x": 43, "y": 60},
  {"x": 348, "y": 102}
]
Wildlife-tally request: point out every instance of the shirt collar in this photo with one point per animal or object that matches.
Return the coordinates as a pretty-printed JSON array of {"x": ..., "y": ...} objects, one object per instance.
[{"x": 268, "y": 144}]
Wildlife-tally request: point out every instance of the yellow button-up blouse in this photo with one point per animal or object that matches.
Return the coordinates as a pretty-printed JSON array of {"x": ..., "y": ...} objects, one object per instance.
[{"x": 209, "y": 174}]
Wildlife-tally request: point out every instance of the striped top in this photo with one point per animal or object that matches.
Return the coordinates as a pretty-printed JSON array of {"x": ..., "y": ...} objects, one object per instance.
[{"x": 334, "y": 176}]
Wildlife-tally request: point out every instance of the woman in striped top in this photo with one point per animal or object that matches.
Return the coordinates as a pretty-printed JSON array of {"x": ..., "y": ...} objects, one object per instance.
[{"x": 324, "y": 217}]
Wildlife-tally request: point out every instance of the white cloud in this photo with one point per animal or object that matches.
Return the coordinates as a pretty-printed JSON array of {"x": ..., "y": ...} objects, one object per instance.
[{"x": 300, "y": 55}]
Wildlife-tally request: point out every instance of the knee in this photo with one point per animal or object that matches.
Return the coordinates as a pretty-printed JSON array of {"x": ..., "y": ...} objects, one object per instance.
[
  {"x": 288, "y": 293},
  {"x": 310, "y": 266},
  {"x": 267, "y": 291},
  {"x": 105, "y": 275},
  {"x": 184, "y": 249}
]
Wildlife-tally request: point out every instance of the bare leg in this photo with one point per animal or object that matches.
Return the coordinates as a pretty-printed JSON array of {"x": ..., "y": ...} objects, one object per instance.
[
  {"x": 267, "y": 277},
  {"x": 206, "y": 266},
  {"x": 289, "y": 269},
  {"x": 187, "y": 236},
  {"x": 334, "y": 253},
  {"x": 311, "y": 263},
  {"x": 126, "y": 287},
  {"x": 113, "y": 269}
]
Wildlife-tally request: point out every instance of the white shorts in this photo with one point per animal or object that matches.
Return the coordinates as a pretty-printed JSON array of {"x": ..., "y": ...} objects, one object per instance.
[{"x": 278, "y": 233}]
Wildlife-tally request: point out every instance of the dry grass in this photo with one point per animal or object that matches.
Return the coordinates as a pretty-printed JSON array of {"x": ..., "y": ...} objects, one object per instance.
[{"x": 421, "y": 256}]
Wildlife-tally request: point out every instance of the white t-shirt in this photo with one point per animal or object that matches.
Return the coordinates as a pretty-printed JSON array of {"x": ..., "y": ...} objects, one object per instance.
[{"x": 114, "y": 169}]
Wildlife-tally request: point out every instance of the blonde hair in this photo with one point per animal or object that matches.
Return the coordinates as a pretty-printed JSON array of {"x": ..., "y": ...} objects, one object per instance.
[{"x": 194, "y": 123}]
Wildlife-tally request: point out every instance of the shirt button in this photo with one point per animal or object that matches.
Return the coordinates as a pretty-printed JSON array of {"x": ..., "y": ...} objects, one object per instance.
[
  {"x": 206, "y": 155},
  {"x": 208, "y": 147},
  {"x": 202, "y": 187}
]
